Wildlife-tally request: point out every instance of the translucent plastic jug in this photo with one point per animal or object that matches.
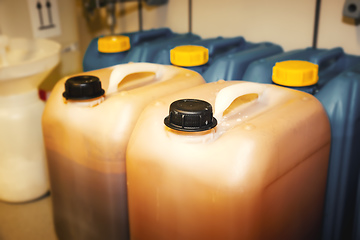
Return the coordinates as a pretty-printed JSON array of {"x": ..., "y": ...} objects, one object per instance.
[
  {"x": 24, "y": 63},
  {"x": 106, "y": 51},
  {"x": 255, "y": 170},
  {"x": 234, "y": 65},
  {"x": 341, "y": 100},
  {"x": 86, "y": 135},
  {"x": 199, "y": 55},
  {"x": 148, "y": 51}
]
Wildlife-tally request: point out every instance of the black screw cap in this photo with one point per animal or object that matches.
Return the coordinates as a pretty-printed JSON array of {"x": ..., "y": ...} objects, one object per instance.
[
  {"x": 83, "y": 88},
  {"x": 190, "y": 115}
]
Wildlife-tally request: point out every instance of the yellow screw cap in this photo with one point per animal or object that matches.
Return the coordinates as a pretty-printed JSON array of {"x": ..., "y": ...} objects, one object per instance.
[
  {"x": 295, "y": 73},
  {"x": 189, "y": 56},
  {"x": 113, "y": 44}
]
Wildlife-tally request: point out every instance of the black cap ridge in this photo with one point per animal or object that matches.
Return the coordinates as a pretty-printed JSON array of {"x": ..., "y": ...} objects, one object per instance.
[
  {"x": 83, "y": 87},
  {"x": 190, "y": 115}
]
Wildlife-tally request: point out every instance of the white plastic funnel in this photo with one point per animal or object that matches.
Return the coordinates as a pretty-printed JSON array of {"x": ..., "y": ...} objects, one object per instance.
[{"x": 25, "y": 63}]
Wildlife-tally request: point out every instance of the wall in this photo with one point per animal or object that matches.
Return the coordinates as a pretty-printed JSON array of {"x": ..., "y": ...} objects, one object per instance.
[
  {"x": 15, "y": 22},
  {"x": 286, "y": 22},
  {"x": 289, "y": 23}
]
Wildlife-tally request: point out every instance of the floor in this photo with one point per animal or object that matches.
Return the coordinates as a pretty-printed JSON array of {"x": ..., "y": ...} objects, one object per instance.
[{"x": 30, "y": 221}]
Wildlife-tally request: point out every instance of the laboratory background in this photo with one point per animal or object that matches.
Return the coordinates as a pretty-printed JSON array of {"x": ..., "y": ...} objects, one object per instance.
[{"x": 95, "y": 141}]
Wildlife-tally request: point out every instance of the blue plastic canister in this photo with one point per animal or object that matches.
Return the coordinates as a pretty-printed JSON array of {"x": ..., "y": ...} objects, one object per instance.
[
  {"x": 105, "y": 51},
  {"x": 341, "y": 100},
  {"x": 331, "y": 63},
  {"x": 338, "y": 90},
  {"x": 233, "y": 66},
  {"x": 147, "y": 51},
  {"x": 200, "y": 54},
  {"x": 357, "y": 214}
]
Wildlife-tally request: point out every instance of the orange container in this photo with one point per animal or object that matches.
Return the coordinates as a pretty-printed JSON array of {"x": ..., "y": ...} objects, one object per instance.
[
  {"x": 256, "y": 172},
  {"x": 86, "y": 134}
]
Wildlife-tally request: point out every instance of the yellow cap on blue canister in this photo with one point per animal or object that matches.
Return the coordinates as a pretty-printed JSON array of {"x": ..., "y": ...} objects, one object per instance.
[
  {"x": 113, "y": 44},
  {"x": 295, "y": 73},
  {"x": 189, "y": 55}
]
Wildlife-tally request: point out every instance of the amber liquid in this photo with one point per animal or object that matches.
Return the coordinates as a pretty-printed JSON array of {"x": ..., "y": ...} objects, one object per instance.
[
  {"x": 165, "y": 203},
  {"x": 87, "y": 204}
]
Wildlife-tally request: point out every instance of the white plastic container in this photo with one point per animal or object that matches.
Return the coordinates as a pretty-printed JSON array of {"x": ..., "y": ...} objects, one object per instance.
[
  {"x": 24, "y": 64},
  {"x": 16, "y": 21},
  {"x": 86, "y": 135},
  {"x": 256, "y": 171}
]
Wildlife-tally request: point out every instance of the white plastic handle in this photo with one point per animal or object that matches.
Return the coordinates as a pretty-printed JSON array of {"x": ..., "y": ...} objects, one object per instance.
[
  {"x": 227, "y": 95},
  {"x": 123, "y": 70}
]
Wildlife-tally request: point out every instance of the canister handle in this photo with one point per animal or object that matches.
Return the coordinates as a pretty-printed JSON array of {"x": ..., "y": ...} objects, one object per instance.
[
  {"x": 151, "y": 34},
  {"x": 225, "y": 43},
  {"x": 327, "y": 55},
  {"x": 227, "y": 95},
  {"x": 123, "y": 70}
]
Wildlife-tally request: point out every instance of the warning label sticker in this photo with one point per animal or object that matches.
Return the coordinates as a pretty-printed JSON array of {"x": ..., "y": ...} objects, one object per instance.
[{"x": 45, "y": 18}]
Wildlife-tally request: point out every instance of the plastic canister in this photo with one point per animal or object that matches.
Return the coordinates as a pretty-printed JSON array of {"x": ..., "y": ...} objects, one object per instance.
[
  {"x": 24, "y": 63},
  {"x": 256, "y": 169},
  {"x": 86, "y": 135},
  {"x": 336, "y": 87},
  {"x": 147, "y": 51},
  {"x": 234, "y": 65},
  {"x": 356, "y": 230},
  {"x": 331, "y": 63},
  {"x": 106, "y": 51},
  {"x": 200, "y": 54},
  {"x": 23, "y": 175},
  {"x": 341, "y": 100}
]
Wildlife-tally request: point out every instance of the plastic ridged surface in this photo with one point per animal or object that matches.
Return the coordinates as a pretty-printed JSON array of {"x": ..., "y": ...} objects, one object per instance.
[{"x": 190, "y": 115}]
